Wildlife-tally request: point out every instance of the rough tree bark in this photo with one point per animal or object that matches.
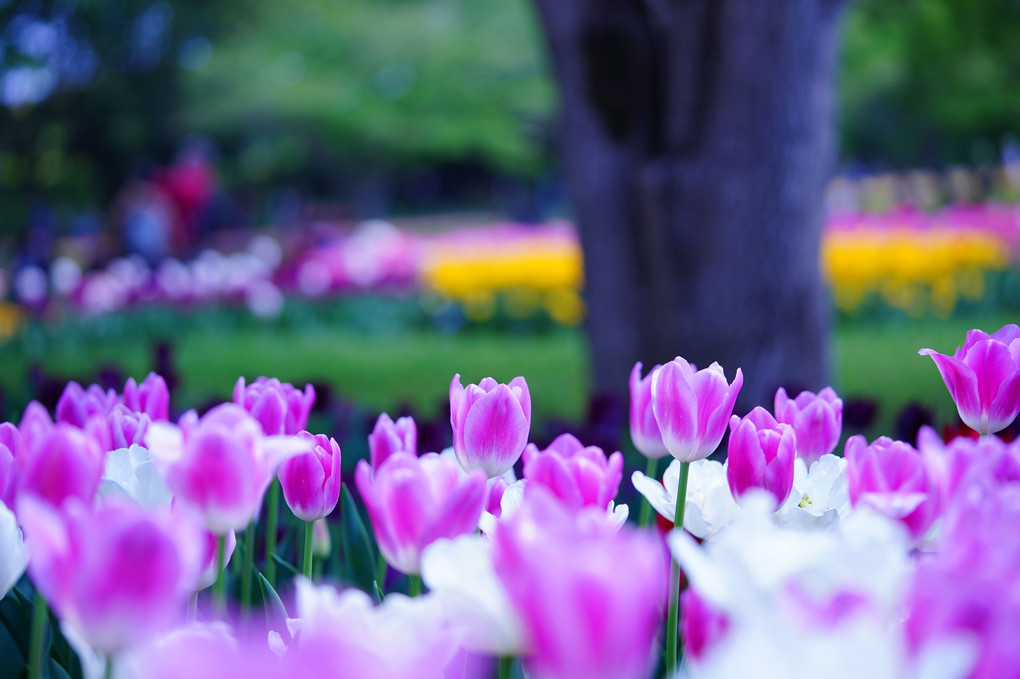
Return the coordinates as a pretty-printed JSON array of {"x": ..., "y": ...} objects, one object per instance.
[{"x": 697, "y": 136}]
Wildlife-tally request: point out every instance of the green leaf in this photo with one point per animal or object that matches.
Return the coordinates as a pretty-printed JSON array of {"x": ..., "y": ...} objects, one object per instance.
[
  {"x": 359, "y": 555},
  {"x": 276, "y": 612},
  {"x": 291, "y": 571}
]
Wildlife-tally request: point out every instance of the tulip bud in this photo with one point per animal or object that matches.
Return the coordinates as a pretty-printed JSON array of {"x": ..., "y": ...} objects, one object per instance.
[
  {"x": 77, "y": 405},
  {"x": 150, "y": 397},
  {"x": 760, "y": 455},
  {"x": 311, "y": 480},
  {"x": 491, "y": 422},
  {"x": 983, "y": 378},
  {"x": 644, "y": 430},
  {"x": 817, "y": 420},
  {"x": 578, "y": 476},
  {"x": 388, "y": 437},
  {"x": 414, "y": 501},
  {"x": 692, "y": 408},
  {"x": 277, "y": 406}
]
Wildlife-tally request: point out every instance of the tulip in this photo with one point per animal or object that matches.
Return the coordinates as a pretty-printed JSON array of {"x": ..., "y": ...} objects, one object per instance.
[
  {"x": 119, "y": 576},
  {"x": 816, "y": 419},
  {"x": 494, "y": 492},
  {"x": 692, "y": 408},
  {"x": 761, "y": 454},
  {"x": 590, "y": 598},
  {"x": 983, "y": 378},
  {"x": 644, "y": 430},
  {"x": 220, "y": 464},
  {"x": 703, "y": 625},
  {"x": 77, "y": 405},
  {"x": 578, "y": 476},
  {"x": 10, "y": 440},
  {"x": 130, "y": 473},
  {"x": 311, "y": 480},
  {"x": 414, "y": 501},
  {"x": 60, "y": 463},
  {"x": 209, "y": 558},
  {"x": 126, "y": 428},
  {"x": 278, "y": 406},
  {"x": 895, "y": 479},
  {"x": 388, "y": 437},
  {"x": 151, "y": 397},
  {"x": 491, "y": 423}
]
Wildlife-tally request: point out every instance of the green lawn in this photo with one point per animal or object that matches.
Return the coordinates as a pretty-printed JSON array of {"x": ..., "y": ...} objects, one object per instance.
[{"x": 381, "y": 371}]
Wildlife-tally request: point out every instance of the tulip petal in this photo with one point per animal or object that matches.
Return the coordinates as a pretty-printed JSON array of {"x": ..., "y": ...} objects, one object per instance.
[
  {"x": 495, "y": 432},
  {"x": 962, "y": 384}
]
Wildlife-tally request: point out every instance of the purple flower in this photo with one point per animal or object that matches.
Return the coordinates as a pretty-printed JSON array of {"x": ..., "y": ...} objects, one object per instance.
[
  {"x": 77, "y": 405},
  {"x": 491, "y": 422},
  {"x": 693, "y": 407},
  {"x": 390, "y": 437},
  {"x": 760, "y": 455},
  {"x": 644, "y": 430},
  {"x": 278, "y": 406},
  {"x": 817, "y": 420},
  {"x": 311, "y": 480},
  {"x": 579, "y": 476}
]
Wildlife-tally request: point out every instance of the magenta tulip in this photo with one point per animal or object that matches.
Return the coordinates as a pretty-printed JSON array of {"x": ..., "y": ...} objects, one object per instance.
[
  {"x": 760, "y": 455},
  {"x": 895, "y": 479},
  {"x": 209, "y": 557},
  {"x": 221, "y": 464},
  {"x": 390, "y": 437},
  {"x": 590, "y": 598},
  {"x": 126, "y": 428},
  {"x": 579, "y": 476},
  {"x": 491, "y": 422},
  {"x": 278, "y": 406},
  {"x": 118, "y": 576},
  {"x": 58, "y": 463},
  {"x": 77, "y": 405},
  {"x": 983, "y": 378},
  {"x": 311, "y": 481},
  {"x": 817, "y": 420},
  {"x": 414, "y": 501},
  {"x": 151, "y": 397},
  {"x": 692, "y": 408},
  {"x": 644, "y": 430},
  {"x": 702, "y": 625}
]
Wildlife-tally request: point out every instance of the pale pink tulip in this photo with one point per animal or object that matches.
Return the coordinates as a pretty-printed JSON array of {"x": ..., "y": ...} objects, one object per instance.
[
  {"x": 58, "y": 463},
  {"x": 693, "y": 407},
  {"x": 817, "y": 420},
  {"x": 390, "y": 437},
  {"x": 77, "y": 405},
  {"x": 278, "y": 406},
  {"x": 579, "y": 476},
  {"x": 151, "y": 397},
  {"x": 490, "y": 422},
  {"x": 644, "y": 430}
]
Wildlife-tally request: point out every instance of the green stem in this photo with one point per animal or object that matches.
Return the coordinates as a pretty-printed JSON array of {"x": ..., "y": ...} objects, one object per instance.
[
  {"x": 108, "y": 671},
  {"x": 651, "y": 470},
  {"x": 38, "y": 638},
  {"x": 220, "y": 586},
  {"x": 674, "y": 590},
  {"x": 306, "y": 563},
  {"x": 506, "y": 666},
  {"x": 272, "y": 516},
  {"x": 249, "y": 558},
  {"x": 380, "y": 574},
  {"x": 414, "y": 585}
]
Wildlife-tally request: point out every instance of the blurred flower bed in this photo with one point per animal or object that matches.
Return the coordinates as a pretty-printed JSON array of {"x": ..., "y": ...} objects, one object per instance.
[{"x": 900, "y": 261}]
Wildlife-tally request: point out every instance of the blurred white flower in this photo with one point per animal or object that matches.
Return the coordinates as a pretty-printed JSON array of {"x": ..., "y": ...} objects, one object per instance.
[
  {"x": 13, "y": 555},
  {"x": 710, "y": 505}
]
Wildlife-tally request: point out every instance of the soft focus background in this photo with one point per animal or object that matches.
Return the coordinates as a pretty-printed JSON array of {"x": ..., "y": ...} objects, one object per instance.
[{"x": 366, "y": 195}]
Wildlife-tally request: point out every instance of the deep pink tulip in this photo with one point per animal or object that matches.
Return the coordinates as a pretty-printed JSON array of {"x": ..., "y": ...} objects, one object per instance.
[
  {"x": 579, "y": 476},
  {"x": 494, "y": 495},
  {"x": 983, "y": 377},
  {"x": 126, "y": 427},
  {"x": 491, "y": 422},
  {"x": 692, "y": 408},
  {"x": 77, "y": 405},
  {"x": 817, "y": 420},
  {"x": 760, "y": 454},
  {"x": 151, "y": 397},
  {"x": 390, "y": 437},
  {"x": 414, "y": 501},
  {"x": 590, "y": 598},
  {"x": 311, "y": 481},
  {"x": 895, "y": 479},
  {"x": 10, "y": 441},
  {"x": 118, "y": 576},
  {"x": 278, "y": 406},
  {"x": 971, "y": 465},
  {"x": 221, "y": 464},
  {"x": 644, "y": 430},
  {"x": 701, "y": 625},
  {"x": 58, "y": 463}
]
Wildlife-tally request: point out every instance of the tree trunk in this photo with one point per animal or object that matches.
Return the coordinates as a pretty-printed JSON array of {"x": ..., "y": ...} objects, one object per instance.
[{"x": 697, "y": 138}]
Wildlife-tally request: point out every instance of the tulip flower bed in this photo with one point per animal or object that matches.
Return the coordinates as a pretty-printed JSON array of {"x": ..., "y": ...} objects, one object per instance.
[{"x": 201, "y": 547}]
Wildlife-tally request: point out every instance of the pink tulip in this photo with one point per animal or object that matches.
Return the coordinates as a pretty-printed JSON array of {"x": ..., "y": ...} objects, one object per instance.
[
  {"x": 311, "y": 481},
  {"x": 966, "y": 464},
  {"x": 578, "y": 476},
  {"x": 10, "y": 441},
  {"x": 151, "y": 397},
  {"x": 494, "y": 496},
  {"x": 895, "y": 479},
  {"x": 490, "y": 422},
  {"x": 701, "y": 625},
  {"x": 221, "y": 464},
  {"x": 817, "y": 420},
  {"x": 35, "y": 423},
  {"x": 278, "y": 406},
  {"x": 77, "y": 405},
  {"x": 590, "y": 598},
  {"x": 414, "y": 501},
  {"x": 118, "y": 576},
  {"x": 388, "y": 437},
  {"x": 58, "y": 463},
  {"x": 692, "y": 408},
  {"x": 760, "y": 455},
  {"x": 983, "y": 377},
  {"x": 126, "y": 427},
  {"x": 209, "y": 557},
  {"x": 644, "y": 430}
]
